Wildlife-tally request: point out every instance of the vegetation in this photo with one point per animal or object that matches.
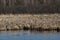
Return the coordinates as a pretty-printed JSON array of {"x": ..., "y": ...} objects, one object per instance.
[
  {"x": 29, "y": 6},
  {"x": 38, "y": 22}
]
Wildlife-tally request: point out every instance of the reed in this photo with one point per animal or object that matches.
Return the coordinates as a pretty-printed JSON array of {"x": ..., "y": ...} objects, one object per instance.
[{"x": 30, "y": 22}]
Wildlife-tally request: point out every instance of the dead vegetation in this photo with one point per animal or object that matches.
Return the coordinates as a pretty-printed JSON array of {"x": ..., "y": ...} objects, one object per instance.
[{"x": 30, "y": 22}]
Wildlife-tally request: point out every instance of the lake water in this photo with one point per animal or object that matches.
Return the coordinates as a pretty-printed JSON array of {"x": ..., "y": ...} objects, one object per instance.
[{"x": 29, "y": 35}]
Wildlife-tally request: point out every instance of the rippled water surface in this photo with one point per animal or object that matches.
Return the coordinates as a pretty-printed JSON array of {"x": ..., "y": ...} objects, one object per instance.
[{"x": 28, "y": 35}]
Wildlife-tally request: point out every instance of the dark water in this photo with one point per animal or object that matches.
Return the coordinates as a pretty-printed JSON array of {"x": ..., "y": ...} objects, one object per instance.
[{"x": 28, "y": 35}]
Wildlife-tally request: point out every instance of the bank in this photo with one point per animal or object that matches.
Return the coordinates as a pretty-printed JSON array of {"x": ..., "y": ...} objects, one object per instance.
[{"x": 37, "y": 22}]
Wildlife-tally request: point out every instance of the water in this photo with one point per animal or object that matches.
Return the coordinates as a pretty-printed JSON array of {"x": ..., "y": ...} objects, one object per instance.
[{"x": 28, "y": 35}]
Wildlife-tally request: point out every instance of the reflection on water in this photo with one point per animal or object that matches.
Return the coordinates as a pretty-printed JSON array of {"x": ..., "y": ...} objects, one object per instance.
[{"x": 29, "y": 35}]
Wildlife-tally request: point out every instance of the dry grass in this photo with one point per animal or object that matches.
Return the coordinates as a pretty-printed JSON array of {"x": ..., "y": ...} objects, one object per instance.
[{"x": 19, "y": 21}]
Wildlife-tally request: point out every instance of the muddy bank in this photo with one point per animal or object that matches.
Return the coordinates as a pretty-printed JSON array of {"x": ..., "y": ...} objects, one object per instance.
[{"x": 30, "y": 22}]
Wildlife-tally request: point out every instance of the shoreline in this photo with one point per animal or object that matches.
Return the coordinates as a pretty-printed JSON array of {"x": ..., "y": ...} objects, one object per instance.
[{"x": 39, "y": 22}]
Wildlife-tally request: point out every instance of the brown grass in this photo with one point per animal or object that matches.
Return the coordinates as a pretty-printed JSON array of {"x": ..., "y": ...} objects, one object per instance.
[{"x": 31, "y": 21}]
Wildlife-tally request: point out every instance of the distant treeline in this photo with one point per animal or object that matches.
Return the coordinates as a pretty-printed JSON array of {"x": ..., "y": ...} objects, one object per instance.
[{"x": 29, "y": 6}]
